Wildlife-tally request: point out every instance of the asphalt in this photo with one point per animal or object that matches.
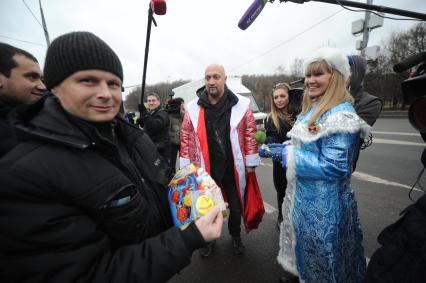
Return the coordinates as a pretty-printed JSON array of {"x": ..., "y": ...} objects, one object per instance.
[{"x": 385, "y": 172}]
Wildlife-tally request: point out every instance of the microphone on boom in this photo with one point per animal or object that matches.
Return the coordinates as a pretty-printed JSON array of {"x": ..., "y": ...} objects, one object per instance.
[
  {"x": 251, "y": 14},
  {"x": 159, "y": 7}
]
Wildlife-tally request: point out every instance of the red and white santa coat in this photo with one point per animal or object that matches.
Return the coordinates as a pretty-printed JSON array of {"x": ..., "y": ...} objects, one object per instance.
[{"x": 194, "y": 146}]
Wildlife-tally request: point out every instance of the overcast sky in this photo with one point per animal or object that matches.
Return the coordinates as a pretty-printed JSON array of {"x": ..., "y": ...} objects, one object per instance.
[{"x": 195, "y": 33}]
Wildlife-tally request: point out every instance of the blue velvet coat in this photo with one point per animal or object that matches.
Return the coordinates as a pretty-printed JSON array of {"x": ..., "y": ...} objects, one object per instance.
[{"x": 321, "y": 237}]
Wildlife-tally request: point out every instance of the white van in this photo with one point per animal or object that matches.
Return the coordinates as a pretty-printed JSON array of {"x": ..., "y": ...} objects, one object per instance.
[{"x": 188, "y": 93}]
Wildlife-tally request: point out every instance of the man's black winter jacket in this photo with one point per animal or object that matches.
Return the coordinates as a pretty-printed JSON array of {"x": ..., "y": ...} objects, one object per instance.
[
  {"x": 60, "y": 219},
  {"x": 156, "y": 124},
  {"x": 7, "y": 138}
]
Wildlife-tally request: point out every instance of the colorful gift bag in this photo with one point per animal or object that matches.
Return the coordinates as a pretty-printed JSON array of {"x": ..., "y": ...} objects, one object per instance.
[{"x": 192, "y": 194}]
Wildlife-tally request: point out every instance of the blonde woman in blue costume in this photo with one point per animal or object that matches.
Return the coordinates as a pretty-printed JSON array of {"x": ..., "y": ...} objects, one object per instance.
[{"x": 321, "y": 237}]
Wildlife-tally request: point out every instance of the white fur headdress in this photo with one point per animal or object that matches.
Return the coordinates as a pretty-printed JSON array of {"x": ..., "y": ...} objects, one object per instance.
[{"x": 333, "y": 57}]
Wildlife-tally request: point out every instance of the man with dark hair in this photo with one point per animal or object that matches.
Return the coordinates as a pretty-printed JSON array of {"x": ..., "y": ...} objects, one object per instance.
[
  {"x": 155, "y": 121},
  {"x": 20, "y": 83},
  {"x": 83, "y": 195}
]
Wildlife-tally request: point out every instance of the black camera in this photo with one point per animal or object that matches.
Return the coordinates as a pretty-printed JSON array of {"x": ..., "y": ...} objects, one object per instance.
[
  {"x": 173, "y": 106},
  {"x": 414, "y": 92}
]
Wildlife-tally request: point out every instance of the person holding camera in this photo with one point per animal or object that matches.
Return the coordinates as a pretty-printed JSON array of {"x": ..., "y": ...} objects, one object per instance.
[
  {"x": 367, "y": 106},
  {"x": 83, "y": 194},
  {"x": 176, "y": 110},
  {"x": 321, "y": 237},
  {"x": 401, "y": 256}
]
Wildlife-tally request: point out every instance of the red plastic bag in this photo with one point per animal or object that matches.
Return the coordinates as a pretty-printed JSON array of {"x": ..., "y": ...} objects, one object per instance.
[{"x": 253, "y": 203}]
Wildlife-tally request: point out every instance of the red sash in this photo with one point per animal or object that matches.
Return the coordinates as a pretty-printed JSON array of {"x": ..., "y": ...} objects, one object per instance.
[
  {"x": 202, "y": 137},
  {"x": 253, "y": 210}
]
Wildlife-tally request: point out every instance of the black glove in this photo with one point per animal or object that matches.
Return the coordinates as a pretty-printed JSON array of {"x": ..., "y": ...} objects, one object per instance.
[{"x": 142, "y": 110}]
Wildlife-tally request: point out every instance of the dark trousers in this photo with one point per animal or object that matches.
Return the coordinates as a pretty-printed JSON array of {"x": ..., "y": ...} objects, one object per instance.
[
  {"x": 174, "y": 149},
  {"x": 230, "y": 189},
  {"x": 280, "y": 184}
]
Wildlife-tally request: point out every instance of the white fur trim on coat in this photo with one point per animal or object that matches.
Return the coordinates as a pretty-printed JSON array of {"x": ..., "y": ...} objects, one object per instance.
[
  {"x": 252, "y": 160},
  {"x": 287, "y": 256},
  {"x": 339, "y": 122}
]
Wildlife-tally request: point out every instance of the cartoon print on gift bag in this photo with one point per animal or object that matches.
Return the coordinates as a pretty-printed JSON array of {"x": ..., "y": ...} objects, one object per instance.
[{"x": 193, "y": 193}]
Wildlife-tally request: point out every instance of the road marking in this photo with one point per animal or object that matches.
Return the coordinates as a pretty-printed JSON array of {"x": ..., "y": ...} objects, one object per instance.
[
  {"x": 359, "y": 175},
  {"x": 373, "y": 179},
  {"x": 386, "y": 141},
  {"x": 369, "y": 178},
  {"x": 396, "y": 133},
  {"x": 268, "y": 208}
]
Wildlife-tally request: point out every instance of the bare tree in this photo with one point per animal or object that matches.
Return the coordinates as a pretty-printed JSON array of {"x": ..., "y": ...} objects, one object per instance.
[
  {"x": 132, "y": 100},
  {"x": 381, "y": 80},
  {"x": 297, "y": 68},
  {"x": 403, "y": 44},
  {"x": 261, "y": 87},
  {"x": 281, "y": 69}
]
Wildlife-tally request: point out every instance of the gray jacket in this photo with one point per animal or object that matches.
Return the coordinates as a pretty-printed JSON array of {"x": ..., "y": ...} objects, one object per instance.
[{"x": 175, "y": 126}]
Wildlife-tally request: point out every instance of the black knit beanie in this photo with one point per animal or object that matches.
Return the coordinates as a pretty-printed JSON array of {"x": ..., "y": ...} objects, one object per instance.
[{"x": 78, "y": 51}]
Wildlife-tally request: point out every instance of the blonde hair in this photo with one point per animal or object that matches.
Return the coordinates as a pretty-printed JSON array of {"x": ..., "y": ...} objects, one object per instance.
[
  {"x": 280, "y": 114},
  {"x": 335, "y": 93}
]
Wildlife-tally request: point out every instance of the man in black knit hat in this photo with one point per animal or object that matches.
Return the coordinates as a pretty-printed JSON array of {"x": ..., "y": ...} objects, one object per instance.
[{"x": 83, "y": 193}]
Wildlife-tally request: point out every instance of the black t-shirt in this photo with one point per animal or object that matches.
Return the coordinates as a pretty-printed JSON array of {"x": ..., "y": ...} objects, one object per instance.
[{"x": 217, "y": 121}]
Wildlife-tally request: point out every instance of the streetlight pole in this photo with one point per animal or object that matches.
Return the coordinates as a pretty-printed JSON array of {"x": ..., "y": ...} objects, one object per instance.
[
  {"x": 366, "y": 31},
  {"x": 46, "y": 33}
]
